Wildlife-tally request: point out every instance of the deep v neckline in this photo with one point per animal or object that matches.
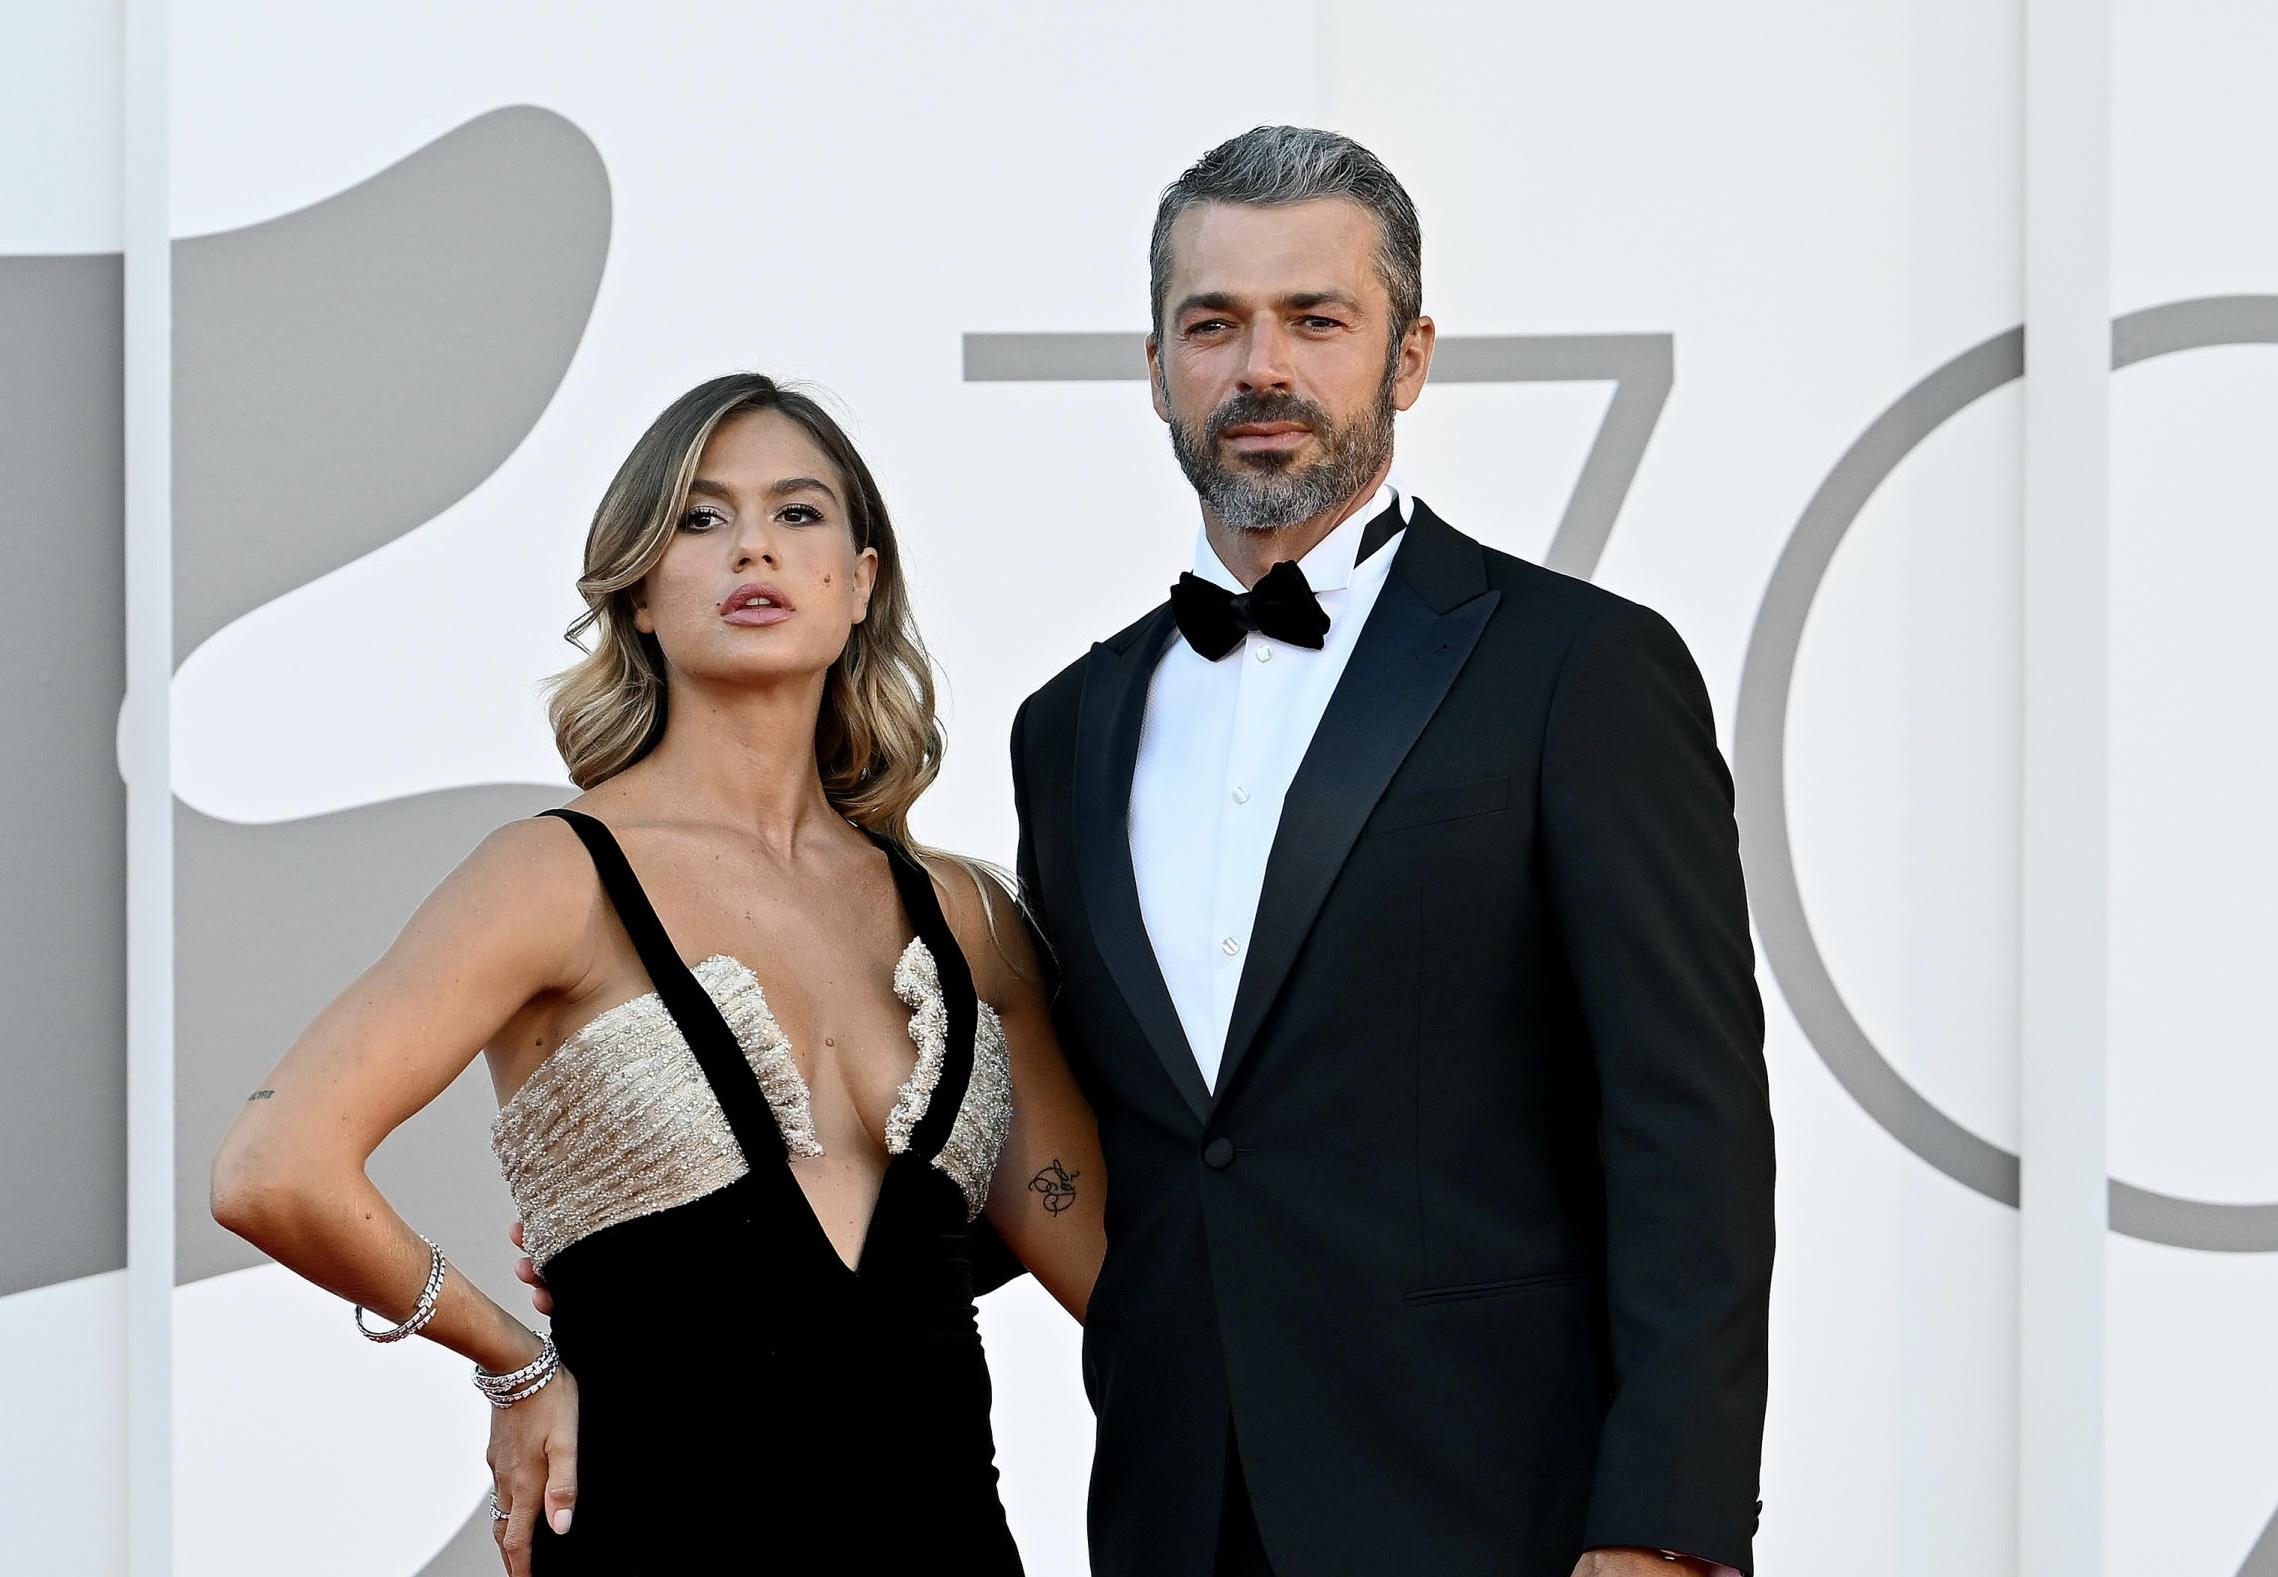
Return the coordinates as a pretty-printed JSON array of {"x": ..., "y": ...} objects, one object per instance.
[
  {"x": 913, "y": 1099},
  {"x": 722, "y": 1059}
]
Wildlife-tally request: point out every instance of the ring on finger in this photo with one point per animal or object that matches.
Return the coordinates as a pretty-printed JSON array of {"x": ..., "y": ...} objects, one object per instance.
[{"x": 498, "y": 1513}]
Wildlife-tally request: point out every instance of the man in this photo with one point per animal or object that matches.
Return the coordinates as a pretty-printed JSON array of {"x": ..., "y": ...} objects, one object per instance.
[{"x": 1396, "y": 903}]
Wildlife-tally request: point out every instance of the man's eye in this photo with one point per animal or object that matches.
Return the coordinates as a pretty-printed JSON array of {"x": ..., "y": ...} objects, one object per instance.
[
  {"x": 1318, "y": 322},
  {"x": 1207, "y": 326},
  {"x": 702, "y": 518}
]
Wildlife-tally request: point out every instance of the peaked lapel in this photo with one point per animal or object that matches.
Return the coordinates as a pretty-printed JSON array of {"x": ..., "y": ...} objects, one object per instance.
[
  {"x": 1422, "y": 630},
  {"x": 1114, "y": 703}
]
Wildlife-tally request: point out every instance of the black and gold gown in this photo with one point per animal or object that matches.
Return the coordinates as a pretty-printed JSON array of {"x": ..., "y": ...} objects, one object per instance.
[{"x": 748, "y": 1401}]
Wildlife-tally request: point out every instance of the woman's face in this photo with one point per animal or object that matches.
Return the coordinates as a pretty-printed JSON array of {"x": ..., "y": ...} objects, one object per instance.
[{"x": 762, "y": 580}]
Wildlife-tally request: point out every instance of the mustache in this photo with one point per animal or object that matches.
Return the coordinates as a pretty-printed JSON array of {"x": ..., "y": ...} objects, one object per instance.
[{"x": 1263, "y": 407}]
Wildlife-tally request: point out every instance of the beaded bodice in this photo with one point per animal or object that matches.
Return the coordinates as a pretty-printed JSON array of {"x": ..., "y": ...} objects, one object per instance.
[{"x": 619, "y": 1122}]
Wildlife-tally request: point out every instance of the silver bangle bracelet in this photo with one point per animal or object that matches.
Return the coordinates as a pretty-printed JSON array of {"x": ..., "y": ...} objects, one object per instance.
[
  {"x": 424, "y": 1311},
  {"x": 530, "y": 1390},
  {"x": 495, "y": 1383},
  {"x": 504, "y": 1390}
]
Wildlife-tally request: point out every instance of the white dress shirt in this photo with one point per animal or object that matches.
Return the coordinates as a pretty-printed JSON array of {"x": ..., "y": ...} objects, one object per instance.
[{"x": 1217, "y": 750}]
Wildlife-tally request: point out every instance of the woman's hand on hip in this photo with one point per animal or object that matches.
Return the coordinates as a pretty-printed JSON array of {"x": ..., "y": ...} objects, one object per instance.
[
  {"x": 526, "y": 1272},
  {"x": 533, "y": 1468}
]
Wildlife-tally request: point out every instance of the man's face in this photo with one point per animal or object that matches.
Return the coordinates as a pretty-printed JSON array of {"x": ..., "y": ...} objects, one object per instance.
[{"x": 1278, "y": 369}]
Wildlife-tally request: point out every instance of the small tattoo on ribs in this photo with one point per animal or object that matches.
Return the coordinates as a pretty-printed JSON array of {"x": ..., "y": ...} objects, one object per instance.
[
  {"x": 1057, "y": 1185},
  {"x": 259, "y": 1095}
]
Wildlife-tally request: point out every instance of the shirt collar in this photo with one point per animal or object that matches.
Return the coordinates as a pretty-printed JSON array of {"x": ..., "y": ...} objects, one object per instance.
[{"x": 1329, "y": 567}]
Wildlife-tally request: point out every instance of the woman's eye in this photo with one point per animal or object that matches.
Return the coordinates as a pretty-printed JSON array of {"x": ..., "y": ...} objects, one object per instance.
[
  {"x": 702, "y": 518},
  {"x": 800, "y": 515}
]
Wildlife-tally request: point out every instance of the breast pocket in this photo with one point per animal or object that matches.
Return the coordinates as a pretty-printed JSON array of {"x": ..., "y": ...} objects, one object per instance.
[
  {"x": 1449, "y": 802},
  {"x": 1472, "y": 1291}
]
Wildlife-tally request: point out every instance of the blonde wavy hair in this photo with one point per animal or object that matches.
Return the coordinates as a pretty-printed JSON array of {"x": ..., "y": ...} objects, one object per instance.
[{"x": 878, "y": 742}]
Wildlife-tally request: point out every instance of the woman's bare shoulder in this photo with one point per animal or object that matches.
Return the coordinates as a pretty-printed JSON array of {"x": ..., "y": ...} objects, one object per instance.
[
  {"x": 529, "y": 889},
  {"x": 987, "y": 922},
  {"x": 541, "y": 856}
]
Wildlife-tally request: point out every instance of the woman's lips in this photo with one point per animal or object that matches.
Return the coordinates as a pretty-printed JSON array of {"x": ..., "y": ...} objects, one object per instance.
[{"x": 756, "y": 605}]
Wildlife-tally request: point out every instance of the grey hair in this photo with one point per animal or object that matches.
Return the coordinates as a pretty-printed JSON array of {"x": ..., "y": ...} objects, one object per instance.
[{"x": 1271, "y": 165}]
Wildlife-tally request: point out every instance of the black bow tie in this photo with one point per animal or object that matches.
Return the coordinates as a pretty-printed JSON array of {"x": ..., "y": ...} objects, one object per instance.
[{"x": 1281, "y": 607}]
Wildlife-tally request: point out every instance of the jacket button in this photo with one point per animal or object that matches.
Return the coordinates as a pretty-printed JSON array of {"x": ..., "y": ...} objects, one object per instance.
[{"x": 1219, "y": 1153}]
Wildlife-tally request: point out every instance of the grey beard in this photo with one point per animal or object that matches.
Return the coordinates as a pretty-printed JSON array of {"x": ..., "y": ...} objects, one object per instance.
[{"x": 1270, "y": 496}]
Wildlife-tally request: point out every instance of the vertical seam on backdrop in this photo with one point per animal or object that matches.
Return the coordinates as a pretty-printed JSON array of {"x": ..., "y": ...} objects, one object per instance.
[
  {"x": 146, "y": 766},
  {"x": 2063, "y": 876}
]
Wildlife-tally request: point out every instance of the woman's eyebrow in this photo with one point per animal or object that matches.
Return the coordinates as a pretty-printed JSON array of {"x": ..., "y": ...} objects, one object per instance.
[
  {"x": 803, "y": 484},
  {"x": 789, "y": 484}
]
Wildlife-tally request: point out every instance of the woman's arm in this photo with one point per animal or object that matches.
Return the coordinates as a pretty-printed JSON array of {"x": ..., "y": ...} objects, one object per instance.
[
  {"x": 514, "y": 923},
  {"x": 509, "y": 925},
  {"x": 1048, "y": 1200}
]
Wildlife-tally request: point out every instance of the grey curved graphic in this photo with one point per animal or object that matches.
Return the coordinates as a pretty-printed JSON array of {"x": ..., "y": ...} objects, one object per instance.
[
  {"x": 342, "y": 375},
  {"x": 63, "y": 1125},
  {"x": 1641, "y": 367},
  {"x": 1760, "y": 767},
  {"x": 345, "y": 372},
  {"x": 2139, "y": 1212}
]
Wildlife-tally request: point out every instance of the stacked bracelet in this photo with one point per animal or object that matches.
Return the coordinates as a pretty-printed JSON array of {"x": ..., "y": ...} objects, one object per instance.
[
  {"x": 504, "y": 1390},
  {"x": 501, "y": 1390},
  {"x": 422, "y": 1313}
]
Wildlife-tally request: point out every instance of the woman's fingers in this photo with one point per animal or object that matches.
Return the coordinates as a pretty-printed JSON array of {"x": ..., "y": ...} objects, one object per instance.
[
  {"x": 499, "y": 1499},
  {"x": 561, "y": 1485},
  {"x": 526, "y": 1272},
  {"x": 522, "y": 1507},
  {"x": 541, "y": 1295}
]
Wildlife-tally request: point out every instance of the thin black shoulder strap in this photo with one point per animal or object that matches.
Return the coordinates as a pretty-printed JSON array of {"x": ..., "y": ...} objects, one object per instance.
[
  {"x": 713, "y": 1044},
  {"x": 956, "y": 974}
]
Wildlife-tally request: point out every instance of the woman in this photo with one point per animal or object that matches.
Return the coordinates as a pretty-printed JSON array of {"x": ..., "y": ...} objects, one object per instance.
[{"x": 760, "y": 1064}]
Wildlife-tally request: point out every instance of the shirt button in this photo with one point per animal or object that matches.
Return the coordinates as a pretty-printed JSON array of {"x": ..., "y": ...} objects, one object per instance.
[
  {"x": 1265, "y": 652},
  {"x": 1229, "y": 947},
  {"x": 1241, "y": 795}
]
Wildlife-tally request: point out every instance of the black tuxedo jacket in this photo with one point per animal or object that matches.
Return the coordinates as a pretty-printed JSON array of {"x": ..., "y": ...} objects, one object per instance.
[{"x": 1471, "y": 1249}]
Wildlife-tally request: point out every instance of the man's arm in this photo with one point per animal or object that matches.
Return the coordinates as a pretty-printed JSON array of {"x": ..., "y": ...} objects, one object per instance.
[
  {"x": 1031, "y": 889},
  {"x": 1644, "y": 875}
]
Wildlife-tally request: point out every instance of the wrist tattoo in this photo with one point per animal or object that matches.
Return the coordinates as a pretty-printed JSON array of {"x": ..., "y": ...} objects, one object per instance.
[
  {"x": 259, "y": 1095},
  {"x": 1057, "y": 1185}
]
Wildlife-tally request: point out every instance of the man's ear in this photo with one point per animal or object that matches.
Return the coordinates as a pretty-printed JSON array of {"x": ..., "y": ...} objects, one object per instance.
[
  {"x": 1415, "y": 362},
  {"x": 1155, "y": 384}
]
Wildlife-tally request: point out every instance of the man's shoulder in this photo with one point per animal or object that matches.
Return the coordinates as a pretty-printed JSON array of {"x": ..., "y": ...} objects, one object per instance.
[
  {"x": 1548, "y": 602},
  {"x": 1058, "y": 695}
]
